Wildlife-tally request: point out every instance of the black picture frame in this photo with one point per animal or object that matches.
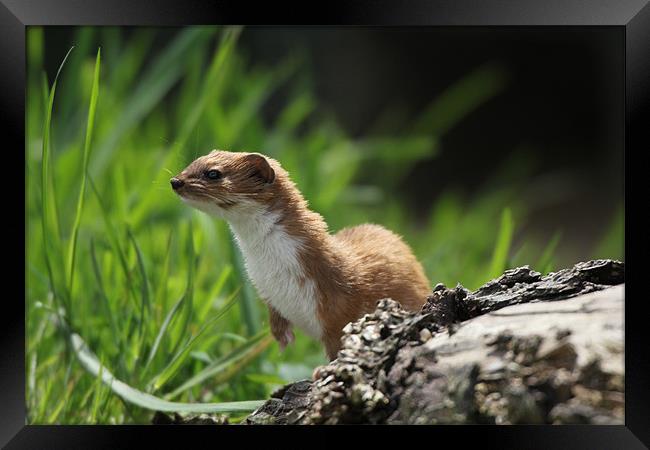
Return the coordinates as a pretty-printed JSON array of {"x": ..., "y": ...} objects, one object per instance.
[{"x": 631, "y": 15}]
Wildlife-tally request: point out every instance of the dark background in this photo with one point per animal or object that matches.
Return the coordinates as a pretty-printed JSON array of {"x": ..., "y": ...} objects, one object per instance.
[{"x": 560, "y": 115}]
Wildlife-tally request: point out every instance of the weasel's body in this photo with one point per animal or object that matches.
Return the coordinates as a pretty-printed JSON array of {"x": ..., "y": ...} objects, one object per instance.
[{"x": 309, "y": 278}]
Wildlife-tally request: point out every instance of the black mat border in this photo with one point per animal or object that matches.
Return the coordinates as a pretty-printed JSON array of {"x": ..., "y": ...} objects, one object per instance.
[{"x": 631, "y": 15}]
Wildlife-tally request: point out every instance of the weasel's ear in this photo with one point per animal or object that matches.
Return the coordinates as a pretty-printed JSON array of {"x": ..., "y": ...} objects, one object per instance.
[{"x": 261, "y": 166}]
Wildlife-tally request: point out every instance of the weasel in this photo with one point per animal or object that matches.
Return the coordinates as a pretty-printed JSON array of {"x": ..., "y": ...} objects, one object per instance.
[{"x": 307, "y": 277}]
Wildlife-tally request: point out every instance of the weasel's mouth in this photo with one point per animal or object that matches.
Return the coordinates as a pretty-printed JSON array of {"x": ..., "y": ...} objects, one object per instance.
[
  {"x": 225, "y": 204},
  {"x": 202, "y": 201}
]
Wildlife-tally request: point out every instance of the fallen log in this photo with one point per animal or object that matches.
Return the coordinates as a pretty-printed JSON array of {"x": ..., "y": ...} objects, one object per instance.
[{"x": 523, "y": 348}]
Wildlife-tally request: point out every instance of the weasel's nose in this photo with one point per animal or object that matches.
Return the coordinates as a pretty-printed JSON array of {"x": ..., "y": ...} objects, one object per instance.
[{"x": 176, "y": 183}]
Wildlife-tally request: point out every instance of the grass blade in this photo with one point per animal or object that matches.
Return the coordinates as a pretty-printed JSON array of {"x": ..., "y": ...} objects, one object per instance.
[
  {"x": 97, "y": 392},
  {"x": 210, "y": 87},
  {"x": 90, "y": 362},
  {"x": 100, "y": 286},
  {"x": 45, "y": 195},
  {"x": 145, "y": 304},
  {"x": 72, "y": 250},
  {"x": 502, "y": 246},
  {"x": 461, "y": 98},
  {"x": 112, "y": 237},
  {"x": 188, "y": 299},
  {"x": 227, "y": 365},
  {"x": 218, "y": 286},
  {"x": 545, "y": 262},
  {"x": 174, "y": 365},
  {"x": 163, "y": 328},
  {"x": 160, "y": 295}
]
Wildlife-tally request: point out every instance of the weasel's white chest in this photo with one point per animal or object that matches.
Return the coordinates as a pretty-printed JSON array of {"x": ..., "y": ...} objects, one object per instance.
[{"x": 275, "y": 271}]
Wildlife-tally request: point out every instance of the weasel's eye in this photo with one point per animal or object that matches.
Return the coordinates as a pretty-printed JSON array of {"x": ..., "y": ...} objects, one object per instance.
[{"x": 212, "y": 174}]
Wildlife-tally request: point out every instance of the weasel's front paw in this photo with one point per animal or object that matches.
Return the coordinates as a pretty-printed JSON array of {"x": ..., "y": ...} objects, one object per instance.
[{"x": 285, "y": 339}]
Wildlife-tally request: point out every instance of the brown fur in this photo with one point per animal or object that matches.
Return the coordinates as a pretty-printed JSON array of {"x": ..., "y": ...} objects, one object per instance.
[
  {"x": 280, "y": 327},
  {"x": 352, "y": 269},
  {"x": 242, "y": 177}
]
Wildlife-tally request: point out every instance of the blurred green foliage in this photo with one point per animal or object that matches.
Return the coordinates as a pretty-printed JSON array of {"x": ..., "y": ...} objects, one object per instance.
[{"x": 158, "y": 290}]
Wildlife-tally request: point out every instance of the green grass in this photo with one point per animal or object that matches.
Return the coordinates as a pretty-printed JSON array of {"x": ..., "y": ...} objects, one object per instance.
[
  {"x": 86, "y": 155},
  {"x": 135, "y": 301}
]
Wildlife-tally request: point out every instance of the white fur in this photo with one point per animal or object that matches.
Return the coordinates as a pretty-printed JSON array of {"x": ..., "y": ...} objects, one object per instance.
[{"x": 271, "y": 257}]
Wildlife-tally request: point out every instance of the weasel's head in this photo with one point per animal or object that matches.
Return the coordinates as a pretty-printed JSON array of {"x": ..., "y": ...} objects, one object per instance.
[{"x": 228, "y": 184}]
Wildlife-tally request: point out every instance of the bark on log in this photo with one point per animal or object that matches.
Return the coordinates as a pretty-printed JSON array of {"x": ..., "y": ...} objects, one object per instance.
[{"x": 521, "y": 349}]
